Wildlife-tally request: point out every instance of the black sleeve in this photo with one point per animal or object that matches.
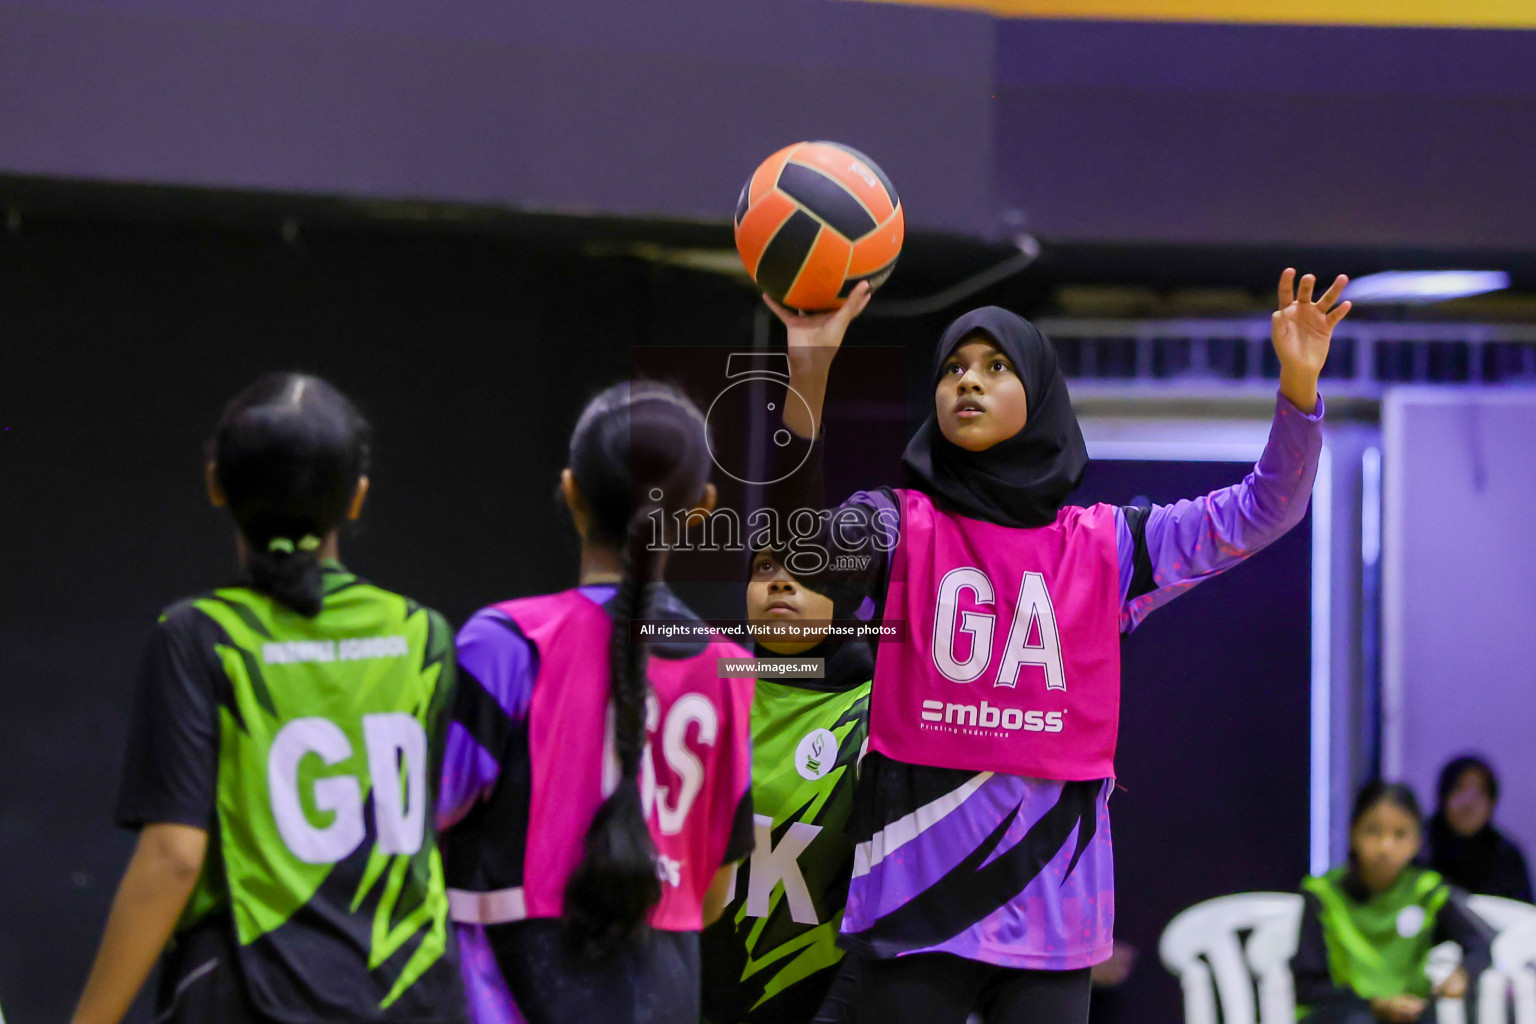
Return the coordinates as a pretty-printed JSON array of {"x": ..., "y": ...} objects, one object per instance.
[
  {"x": 440, "y": 649},
  {"x": 841, "y": 1003},
  {"x": 743, "y": 835},
  {"x": 172, "y": 762},
  {"x": 1309, "y": 967},
  {"x": 1457, "y": 923},
  {"x": 1141, "y": 557}
]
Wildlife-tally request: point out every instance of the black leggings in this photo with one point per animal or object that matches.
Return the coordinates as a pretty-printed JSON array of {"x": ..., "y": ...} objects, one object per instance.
[
  {"x": 654, "y": 980},
  {"x": 938, "y": 988}
]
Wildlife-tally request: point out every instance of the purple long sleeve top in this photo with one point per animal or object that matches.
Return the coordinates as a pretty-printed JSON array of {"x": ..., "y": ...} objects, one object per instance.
[{"x": 924, "y": 835}]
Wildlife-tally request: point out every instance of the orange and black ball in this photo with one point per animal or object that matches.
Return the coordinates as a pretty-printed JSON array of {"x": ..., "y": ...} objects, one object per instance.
[{"x": 814, "y": 220}]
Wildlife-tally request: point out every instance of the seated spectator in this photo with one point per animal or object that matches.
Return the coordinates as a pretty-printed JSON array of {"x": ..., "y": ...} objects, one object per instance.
[
  {"x": 1367, "y": 928},
  {"x": 1461, "y": 842}
]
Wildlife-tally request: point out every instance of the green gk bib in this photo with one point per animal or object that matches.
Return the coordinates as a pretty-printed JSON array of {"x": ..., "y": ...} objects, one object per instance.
[{"x": 773, "y": 953}]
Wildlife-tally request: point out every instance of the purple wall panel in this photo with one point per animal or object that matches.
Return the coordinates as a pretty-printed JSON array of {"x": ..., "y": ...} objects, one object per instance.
[
  {"x": 1261, "y": 135},
  {"x": 1091, "y": 130},
  {"x": 577, "y": 107},
  {"x": 1459, "y": 585}
]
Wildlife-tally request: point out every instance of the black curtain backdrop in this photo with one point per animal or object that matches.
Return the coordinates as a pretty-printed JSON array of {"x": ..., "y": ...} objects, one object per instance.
[{"x": 472, "y": 353}]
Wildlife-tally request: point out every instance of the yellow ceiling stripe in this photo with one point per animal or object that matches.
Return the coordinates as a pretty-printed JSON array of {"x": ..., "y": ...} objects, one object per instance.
[{"x": 1386, "y": 13}]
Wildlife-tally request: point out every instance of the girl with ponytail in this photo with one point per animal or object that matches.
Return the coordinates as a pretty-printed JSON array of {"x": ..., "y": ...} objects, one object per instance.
[
  {"x": 595, "y": 789},
  {"x": 257, "y": 700}
]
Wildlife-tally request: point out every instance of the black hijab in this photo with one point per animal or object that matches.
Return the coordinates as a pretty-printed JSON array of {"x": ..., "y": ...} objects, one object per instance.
[
  {"x": 1025, "y": 480},
  {"x": 1484, "y": 862}
]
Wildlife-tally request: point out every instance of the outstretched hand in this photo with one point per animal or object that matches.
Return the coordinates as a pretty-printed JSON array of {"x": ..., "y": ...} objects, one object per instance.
[
  {"x": 814, "y": 338},
  {"x": 1301, "y": 331}
]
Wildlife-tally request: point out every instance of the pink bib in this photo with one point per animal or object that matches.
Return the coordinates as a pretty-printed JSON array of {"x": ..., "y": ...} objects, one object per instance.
[
  {"x": 1013, "y": 659},
  {"x": 695, "y": 771}
]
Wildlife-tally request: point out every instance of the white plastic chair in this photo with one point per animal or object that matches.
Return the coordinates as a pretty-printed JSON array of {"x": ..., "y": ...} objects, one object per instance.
[
  {"x": 1514, "y": 956},
  {"x": 1497, "y": 981},
  {"x": 1501, "y": 914},
  {"x": 1208, "y": 934},
  {"x": 1210, "y": 930}
]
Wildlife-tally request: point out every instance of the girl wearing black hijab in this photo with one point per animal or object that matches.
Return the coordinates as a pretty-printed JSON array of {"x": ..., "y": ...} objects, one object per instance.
[
  {"x": 1461, "y": 842},
  {"x": 982, "y": 877}
]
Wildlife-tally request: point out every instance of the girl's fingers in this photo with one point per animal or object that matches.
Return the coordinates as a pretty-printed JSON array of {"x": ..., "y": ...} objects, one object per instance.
[
  {"x": 1304, "y": 293},
  {"x": 1334, "y": 291},
  {"x": 853, "y": 306},
  {"x": 1287, "y": 293},
  {"x": 1338, "y": 313},
  {"x": 859, "y": 299},
  {"x": 783, "y": 313}
]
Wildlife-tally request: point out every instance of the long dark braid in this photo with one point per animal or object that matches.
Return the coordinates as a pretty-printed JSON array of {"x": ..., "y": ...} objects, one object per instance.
[
  {"x": 626, "y": 659},
  {"x": 637, "y": 449}
]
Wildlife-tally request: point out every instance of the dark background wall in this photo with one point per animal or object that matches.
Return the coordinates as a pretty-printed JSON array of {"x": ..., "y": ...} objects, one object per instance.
[
  {"x": 1258, "y": 134},
  {"x": 657, "y": 109}
]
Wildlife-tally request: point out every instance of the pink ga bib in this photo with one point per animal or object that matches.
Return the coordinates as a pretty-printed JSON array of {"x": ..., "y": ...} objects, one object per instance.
[{"x": 1013, "y": 660}]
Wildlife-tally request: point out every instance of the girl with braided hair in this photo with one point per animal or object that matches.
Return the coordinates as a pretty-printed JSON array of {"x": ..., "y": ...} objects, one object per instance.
[{"x": 595, "y": 789}]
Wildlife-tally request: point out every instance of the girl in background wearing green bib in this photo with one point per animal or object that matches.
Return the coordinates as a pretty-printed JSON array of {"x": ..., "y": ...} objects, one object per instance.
[{"x": 1367, "y": 928}]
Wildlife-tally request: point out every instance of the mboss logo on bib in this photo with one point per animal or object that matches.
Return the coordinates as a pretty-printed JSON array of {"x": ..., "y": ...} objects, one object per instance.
[{"x": 986, "y": 716}]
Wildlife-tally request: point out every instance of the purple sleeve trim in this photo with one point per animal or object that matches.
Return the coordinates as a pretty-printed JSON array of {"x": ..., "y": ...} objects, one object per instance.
[
  {"x": 1192, "y": 540},
  {"x": 884, "y": 532},
  {"x": 887, "y": 525},
  {"x": 499, "y": 658},
  {"x": 490, "y": 1000},
  {"x": 469, "y": 771},
  {"x": 495, "y": 662}
]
